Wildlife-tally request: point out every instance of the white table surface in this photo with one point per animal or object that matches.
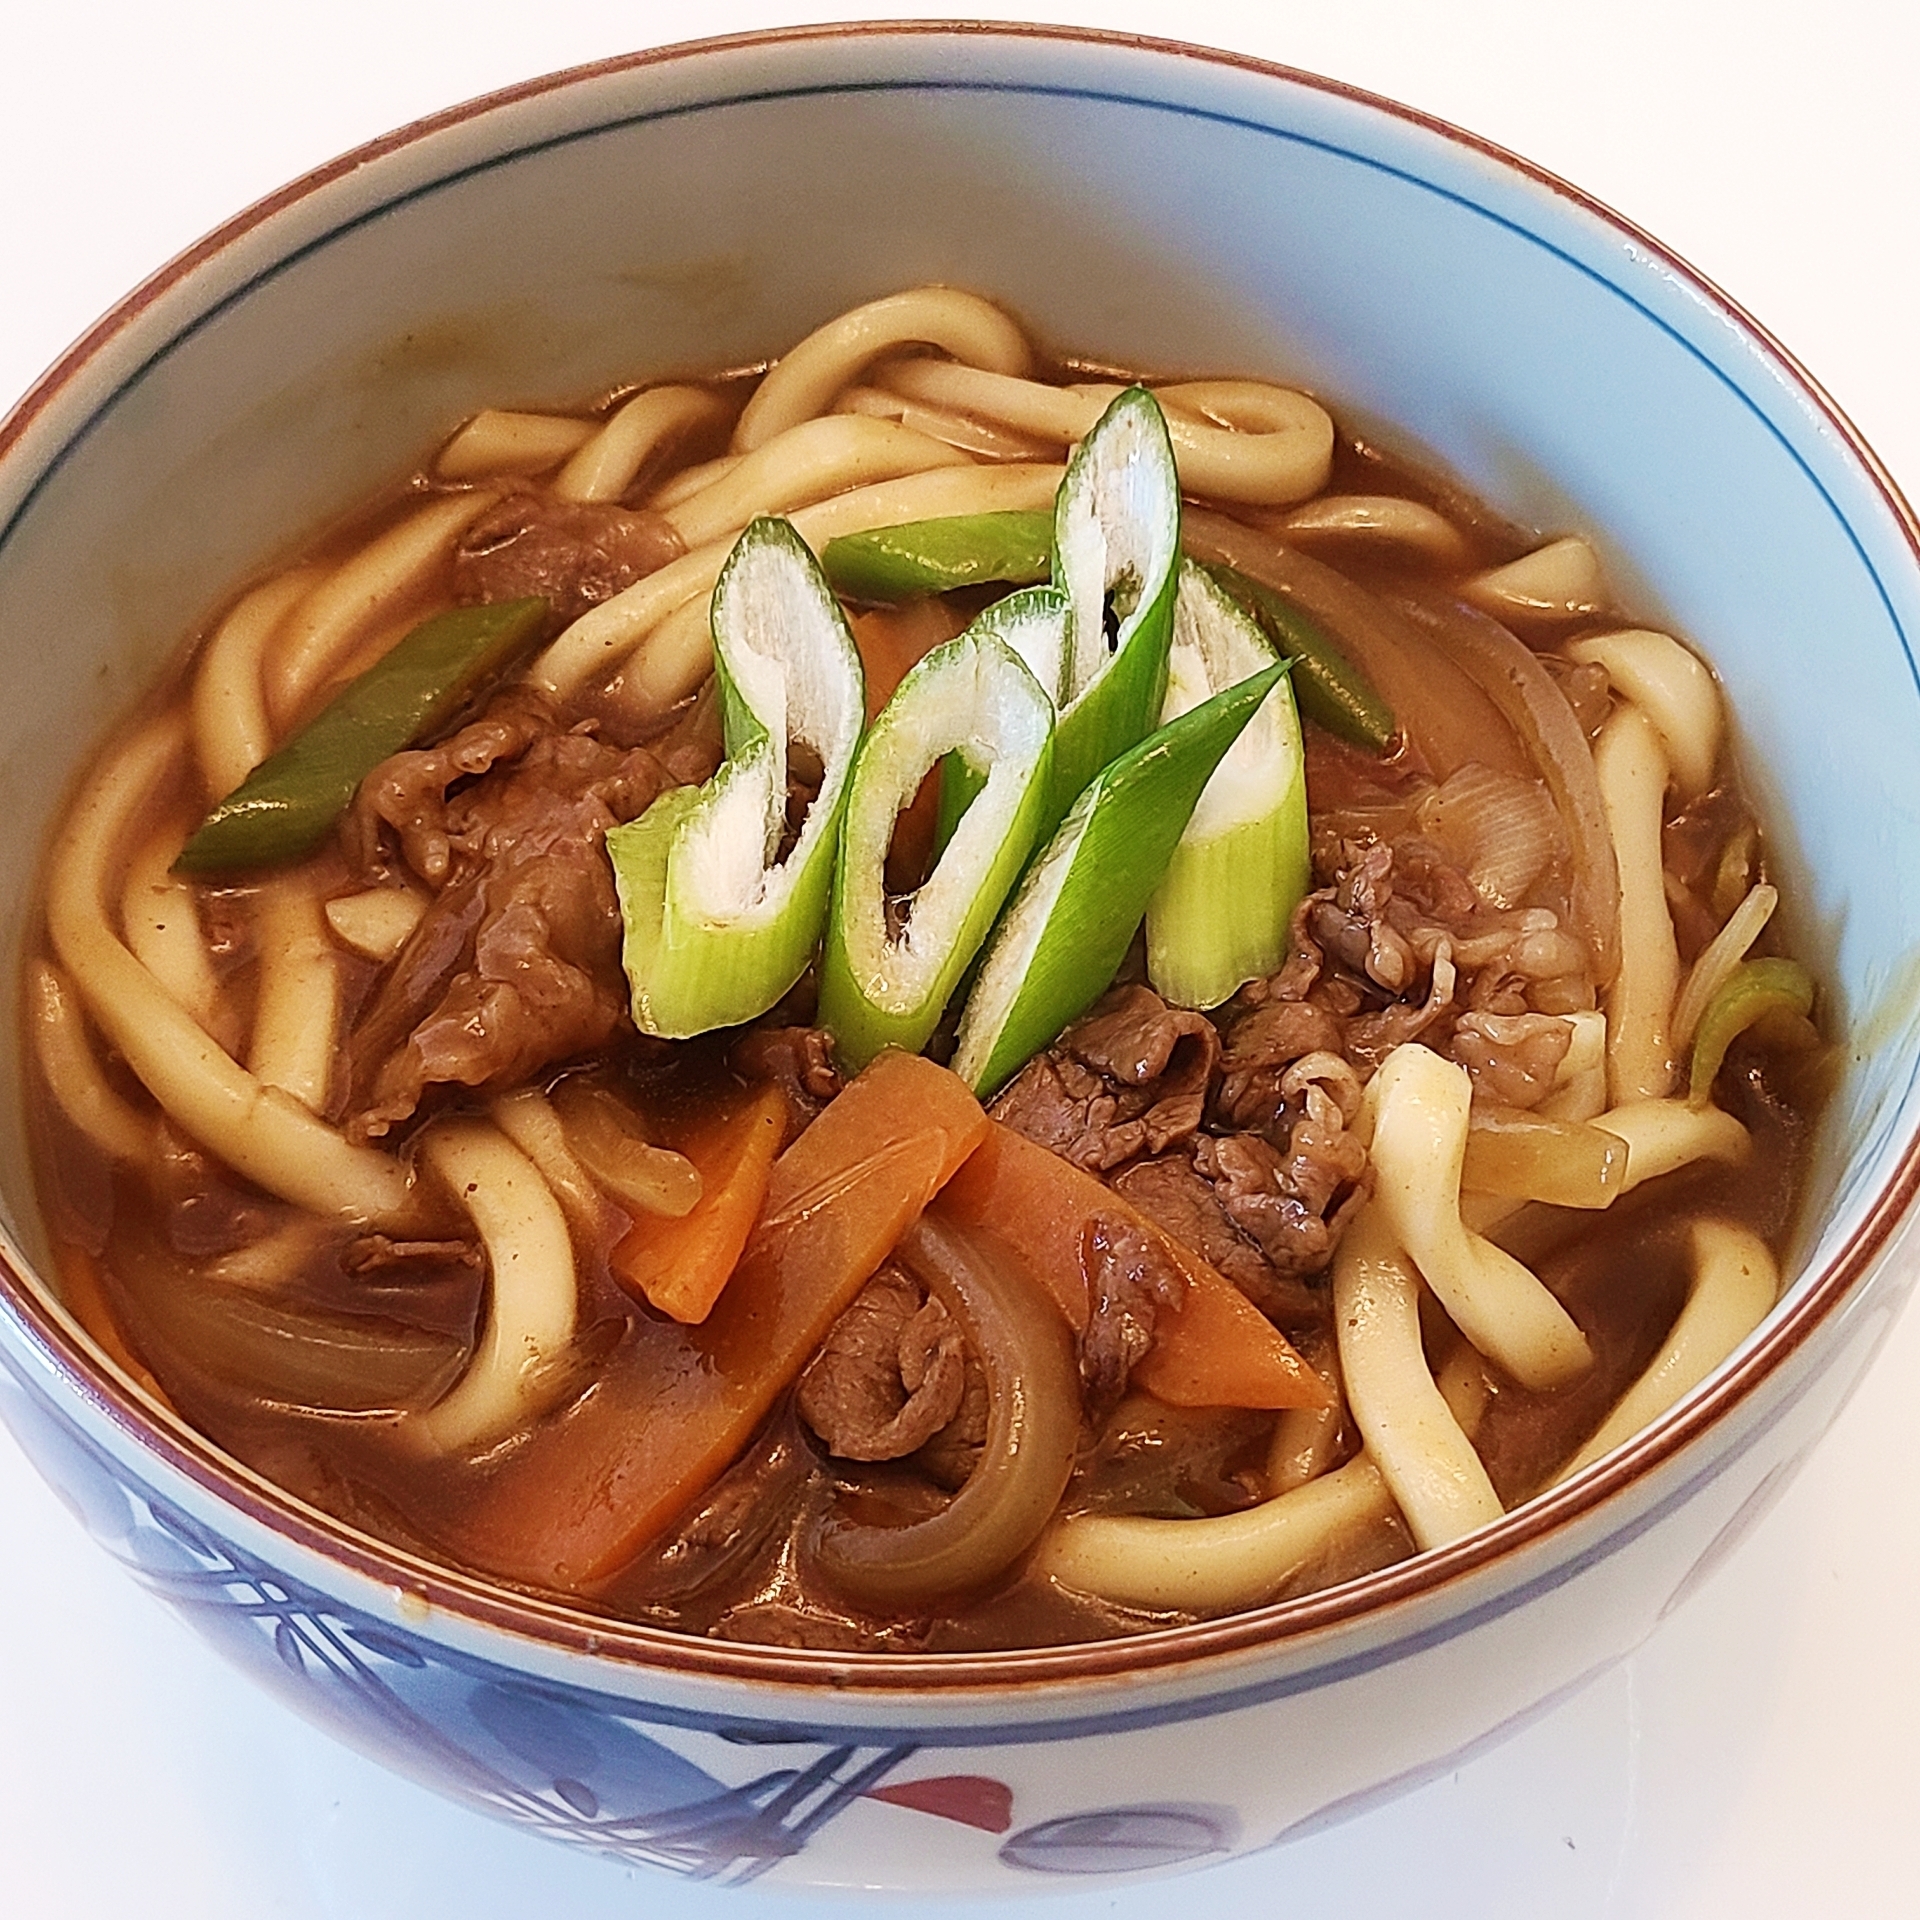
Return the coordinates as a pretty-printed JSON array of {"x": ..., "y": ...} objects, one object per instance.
[{"x": 1758, "y": 1757}]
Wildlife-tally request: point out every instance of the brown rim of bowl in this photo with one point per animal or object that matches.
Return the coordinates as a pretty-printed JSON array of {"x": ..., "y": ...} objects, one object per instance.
[{"x": 563, "y": 1629}]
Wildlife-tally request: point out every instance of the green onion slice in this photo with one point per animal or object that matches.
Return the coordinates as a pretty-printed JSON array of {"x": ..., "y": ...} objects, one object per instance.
[
  {"x": 972, "y": 699},
  {"x": 1059, "y": 944},
  {"x": 1331, "y": 690},
  {"x": 1219, "y": 917},
  {"x": 922, "y": 557},
  {"x": 1753, "y": 990},
  {"x": 718, "y": 924},
  {"x": 288, "y": 804},
  {"x": 1116, "y": 549}
]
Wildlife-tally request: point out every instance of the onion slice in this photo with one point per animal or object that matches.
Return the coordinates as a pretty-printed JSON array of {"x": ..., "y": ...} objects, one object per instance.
[{"x": 1033, "y": 1424}]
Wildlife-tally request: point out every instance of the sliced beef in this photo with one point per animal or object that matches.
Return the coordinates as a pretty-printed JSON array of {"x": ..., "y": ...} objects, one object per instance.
[
  {"x": 516, "y": 964},
  {"x": 798, "y": 1060},
  {"x": 889, "y": 1374},
  {"x": 1130, "y": 1279},
  {"x": 1513, "y": 1058},
  {"x": 1261, "y": 1046},
  {"x": 574, "y": 554},
  {"x": 1130, "y": 1078}
]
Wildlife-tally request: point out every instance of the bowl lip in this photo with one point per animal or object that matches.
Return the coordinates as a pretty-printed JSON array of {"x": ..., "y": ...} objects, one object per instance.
[{"x": 1450, "y": 1576}]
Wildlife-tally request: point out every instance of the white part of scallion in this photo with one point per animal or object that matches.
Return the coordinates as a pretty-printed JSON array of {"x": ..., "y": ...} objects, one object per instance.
[
  {"x": 718, "y": 924},
  {"x": 975, "y": 698},
  {"x": 1219, "y": 917}
]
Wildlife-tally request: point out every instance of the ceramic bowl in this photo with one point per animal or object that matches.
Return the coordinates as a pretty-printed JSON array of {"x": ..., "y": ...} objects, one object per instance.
[{"x": 1154, "y": 206}]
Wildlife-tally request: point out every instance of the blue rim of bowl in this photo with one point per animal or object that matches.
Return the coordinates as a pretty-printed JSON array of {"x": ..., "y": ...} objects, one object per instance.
[{"x": 1172, "y": 1652}]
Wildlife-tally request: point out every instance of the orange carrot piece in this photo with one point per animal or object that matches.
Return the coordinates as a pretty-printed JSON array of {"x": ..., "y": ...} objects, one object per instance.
[
  {"x": 1215, "y": 1350},
  {"x": 680, "y": 1266},
  {"x": 592, "y": 1488}
]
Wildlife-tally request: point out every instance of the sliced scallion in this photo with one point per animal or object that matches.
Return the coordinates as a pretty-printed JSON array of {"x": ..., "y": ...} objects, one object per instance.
[
  {"x": 719, "y": 924},
  {"x": 1753, "y": 990},
  {"x": 1116, "y": 549},
  {"x": 1220, "y": 915},
  {"x": 1059, "y": 943},
  {"x": 974, "y": 700}
]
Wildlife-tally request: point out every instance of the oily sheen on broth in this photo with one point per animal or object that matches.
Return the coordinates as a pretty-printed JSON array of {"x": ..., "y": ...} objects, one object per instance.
[{"x": 1429, "y": 1138}]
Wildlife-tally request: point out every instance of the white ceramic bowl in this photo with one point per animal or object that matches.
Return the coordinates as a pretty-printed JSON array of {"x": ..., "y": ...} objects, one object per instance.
[{"x": 1150, "y": 205}]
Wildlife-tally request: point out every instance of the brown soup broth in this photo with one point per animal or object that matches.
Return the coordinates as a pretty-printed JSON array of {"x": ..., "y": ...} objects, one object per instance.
[{"x": 291, "y": 1342}]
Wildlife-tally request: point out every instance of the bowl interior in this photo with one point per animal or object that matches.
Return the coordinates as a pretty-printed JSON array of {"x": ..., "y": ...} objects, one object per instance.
[{"x": 1140, "y": 208}]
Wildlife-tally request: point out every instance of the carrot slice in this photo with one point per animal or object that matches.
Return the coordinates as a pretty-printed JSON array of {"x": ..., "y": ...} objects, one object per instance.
[
  {"x": 590, "y": 1489},
  {"x": 1215, "y": 1350},
  {"x": 680, "y": 1266}
]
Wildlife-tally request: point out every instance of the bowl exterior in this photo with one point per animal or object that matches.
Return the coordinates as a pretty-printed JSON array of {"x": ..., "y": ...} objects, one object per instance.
[{"x": 1141, "y": 205}]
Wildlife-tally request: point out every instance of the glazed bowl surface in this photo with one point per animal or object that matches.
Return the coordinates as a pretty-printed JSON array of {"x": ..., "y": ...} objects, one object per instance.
[{"x": 1152, "y": 207}]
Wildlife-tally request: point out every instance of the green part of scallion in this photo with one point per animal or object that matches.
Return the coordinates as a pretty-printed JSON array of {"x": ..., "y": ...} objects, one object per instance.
[
  {"x": 1220, "y": 915},
  {"x": 288, "y": 804},
  {"x": 972, "y": 700},
  {"x": 1116, "y": 550},
  {"x": 1061, "y": 940},
  {"x": 1752, "y": 991},
  {"x": 1330, "y": 689},
  {"x": 718, "y": 923},
  {"x": 923, "y": 557}
]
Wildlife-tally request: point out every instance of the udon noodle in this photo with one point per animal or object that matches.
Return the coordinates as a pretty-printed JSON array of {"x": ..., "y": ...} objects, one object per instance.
[{"x": 707, "y": 1293}]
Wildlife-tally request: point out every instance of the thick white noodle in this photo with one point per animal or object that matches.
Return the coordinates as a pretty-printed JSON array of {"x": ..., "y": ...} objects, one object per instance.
[
  {"x": 981, "y": 438},
  {"x": 604, "y": 635},
  {"x": 810, "y": 462},
  {"x": 1675, "y": 691},
  {"x": 1665, "y": 1135},
  {"x": 1419, "y": 1104},
  {"x": 1631, "y": 765},
  {"x": 322, "y": 631},
  {"x": 691, "y": 480},
  {"x": 609, "y": 462},
  {"x": 72, "y": 1069},
  {"x": 1580, "y": 1081},
  {"x": 297, "y": 1009},
  {"x": 1731, "y": 1288},
  {"x": 498, "y": 440},
  {"x": 527, "y": 1119},
  {"x": 260, "y": 1131},
  {"x": 1561, "y": 580},
  {"x": 1718, "y": 958},
  {"x": 160, "y": 919},
  {"x": 1375, "y": 520},
  {"x": 1215, "y": 1565},
  {"x": 1276, "y": 450},
  {"x": 804, "y": 380},
  {"x": 231, "y": 731},
  {"x": 532, "y": 1293},
  {"x": 1411, "y": 1435}
]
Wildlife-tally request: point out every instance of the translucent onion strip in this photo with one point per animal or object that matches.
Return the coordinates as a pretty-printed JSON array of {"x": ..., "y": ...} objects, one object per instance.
[
  {"x": 1675, "y": 691},
  {"x": 72, "y": 1070},
  {"x": 527, "y": 1119},
  {"x": 498, "y": 440},
  {"x": 805, "y": 379},
  {"x": 1632, "y": 769},
  {"x": 604, "y": 635},
  {"x": 532, "y": 1297},
  {"x": 1412, "y": 1437},
  {"x": 297, "y": 1010},
  {"x": 1216, "y": 1565},
  {"x": 1732, "y": 1286},
  {"x": 1033, "y": 1425},
  {"x": 231, "y": 731},
  {"x": 1420, "y": 1105},
  {"x": 262, "y": 1132},
  {"x": 321, "y": 632},
  {"x": 1714, "y": 968},
  {"x": 609, "y": 461}
]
